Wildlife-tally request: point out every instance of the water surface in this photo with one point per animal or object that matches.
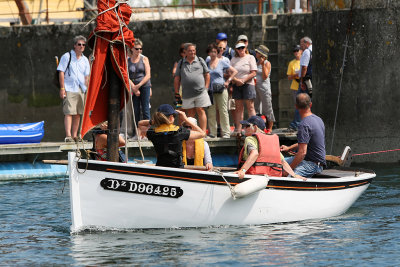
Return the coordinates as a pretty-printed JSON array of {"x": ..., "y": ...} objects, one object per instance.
[{"x": 35, "y": 220}]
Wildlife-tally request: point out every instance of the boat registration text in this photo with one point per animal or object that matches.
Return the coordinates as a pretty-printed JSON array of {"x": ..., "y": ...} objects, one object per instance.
[{"x": 141, "y": 188}]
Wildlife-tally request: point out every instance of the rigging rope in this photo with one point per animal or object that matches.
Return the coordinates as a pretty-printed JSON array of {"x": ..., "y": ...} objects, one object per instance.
[
  {"x": 342, "y": 71},
  {"x": 376, "y": 152}
]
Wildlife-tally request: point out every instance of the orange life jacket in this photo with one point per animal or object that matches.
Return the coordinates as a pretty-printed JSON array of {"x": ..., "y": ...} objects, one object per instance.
[{"x": 269, "y": 156}]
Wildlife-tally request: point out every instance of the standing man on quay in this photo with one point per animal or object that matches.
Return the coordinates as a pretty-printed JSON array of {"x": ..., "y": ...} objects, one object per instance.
[
  {"x": 74, "y": 70},
  {"x": 192, "y": 72},
  {"x": 306, "y": 65},
  {"x": 305, "y": 84},
  {"x": 310, "y": 156}
]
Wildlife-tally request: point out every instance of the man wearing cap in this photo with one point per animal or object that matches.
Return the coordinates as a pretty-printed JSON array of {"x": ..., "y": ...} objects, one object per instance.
[
  {"x": 260, "y": 153},
  {"x": 223, "y": 38},
  {"x": 310, "y": 156},
  {"x": 193, "y": 74},
  {"x": 243, "y": 38}
]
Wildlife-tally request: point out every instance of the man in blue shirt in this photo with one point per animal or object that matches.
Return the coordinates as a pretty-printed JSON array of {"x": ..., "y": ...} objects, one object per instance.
[
  {"x": 310, "y": 156},
  {"x": 74, "y": 70}
]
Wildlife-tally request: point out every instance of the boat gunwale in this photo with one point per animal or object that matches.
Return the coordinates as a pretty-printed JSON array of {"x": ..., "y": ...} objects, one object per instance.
[{"x": 198, "y": 176}]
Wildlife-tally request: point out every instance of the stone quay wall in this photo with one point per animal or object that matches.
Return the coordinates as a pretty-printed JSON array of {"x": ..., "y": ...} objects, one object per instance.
[
  {"x": 368, "y": 107},
  {"x": 28, "y": 60}
]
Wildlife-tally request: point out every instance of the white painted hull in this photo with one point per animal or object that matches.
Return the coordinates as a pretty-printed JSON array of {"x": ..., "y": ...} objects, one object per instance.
[{"x": 203, "y": 203}]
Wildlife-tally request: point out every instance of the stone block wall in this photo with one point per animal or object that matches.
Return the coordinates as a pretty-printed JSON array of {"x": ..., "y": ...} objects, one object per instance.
[{"x": 28, "y": 64}]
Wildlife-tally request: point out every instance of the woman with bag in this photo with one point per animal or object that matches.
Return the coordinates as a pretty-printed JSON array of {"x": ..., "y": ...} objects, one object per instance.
[{"x": 218, "y": 87}]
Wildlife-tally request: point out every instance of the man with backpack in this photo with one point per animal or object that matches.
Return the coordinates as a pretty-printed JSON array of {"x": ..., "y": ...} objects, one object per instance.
[{"x": 74, "y": 70}]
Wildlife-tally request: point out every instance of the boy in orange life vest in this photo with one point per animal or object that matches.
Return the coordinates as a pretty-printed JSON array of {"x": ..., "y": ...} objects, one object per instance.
[{"x": 261, "y": 152}]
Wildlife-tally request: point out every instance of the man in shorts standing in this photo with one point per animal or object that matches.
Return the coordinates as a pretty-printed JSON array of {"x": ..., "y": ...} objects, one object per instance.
[
  {"x": 193, "y": 74},
  {"x": 74, "y": 70}
]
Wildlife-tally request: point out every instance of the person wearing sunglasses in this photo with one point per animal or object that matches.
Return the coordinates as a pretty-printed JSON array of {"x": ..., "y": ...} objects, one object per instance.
[
  {"x": 166, "y": 137},
  {"x": 244, "y": 91},
  {"x": 261, "y": 152},
  {"x": 139, "y": 76},
  {"x": 74, "y": 70}
]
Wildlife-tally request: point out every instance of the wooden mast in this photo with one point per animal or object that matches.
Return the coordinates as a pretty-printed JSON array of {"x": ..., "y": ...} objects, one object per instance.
[{"x": 113, "y": 112}]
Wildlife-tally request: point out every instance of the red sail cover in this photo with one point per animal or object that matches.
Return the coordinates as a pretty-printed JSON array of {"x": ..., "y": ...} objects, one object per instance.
[{"x": 107, "y": 41}]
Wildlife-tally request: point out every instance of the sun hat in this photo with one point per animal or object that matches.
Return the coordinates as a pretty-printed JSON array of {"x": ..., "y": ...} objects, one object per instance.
[
  {"x": 254, "y": 120},
  {"x": 166, "y": 109},
  {"x": 242, "y": 37},
  {"x": 263, "y": 50},
  {"x": 192, "y": 120},
  {"x": 221, "y": 36},
  {"x": 238, "y": 45}
]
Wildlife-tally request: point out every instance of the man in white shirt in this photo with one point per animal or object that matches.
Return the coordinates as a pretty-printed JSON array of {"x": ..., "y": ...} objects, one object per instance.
[
  {"x": 74, "y": 70},
  {"x": 306, "y": 65}
]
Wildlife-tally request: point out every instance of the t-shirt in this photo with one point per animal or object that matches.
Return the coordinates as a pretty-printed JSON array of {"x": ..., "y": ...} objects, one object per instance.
[
  {"x": 244, "y": 65},
  {"x": 192, "y": 77},
  {"x": 311, "y": 131},
  {"x": 163, "y": 144},
  {"x": 306, "y": 56},
  {"x": 294, "y": 68},
  {"x": 217, "y": 74}
]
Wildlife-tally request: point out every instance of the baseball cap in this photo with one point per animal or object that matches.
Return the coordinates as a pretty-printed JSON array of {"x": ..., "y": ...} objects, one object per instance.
[
  {"x": 240, "y": 45},
  {"x": 166, "y": 109},
  {"x": 296, "y": 48},
  {"x": 255, "y": 120},
  {"x": 222, "y": 36},
  {"x": 242, "y": 37}
]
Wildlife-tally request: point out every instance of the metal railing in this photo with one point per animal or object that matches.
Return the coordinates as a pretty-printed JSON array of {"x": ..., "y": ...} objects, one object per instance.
[{"x": 233, "y": 7}]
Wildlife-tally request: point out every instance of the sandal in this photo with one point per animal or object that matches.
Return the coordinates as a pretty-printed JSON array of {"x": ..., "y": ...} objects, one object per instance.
[{"x": 69, "y": 139}]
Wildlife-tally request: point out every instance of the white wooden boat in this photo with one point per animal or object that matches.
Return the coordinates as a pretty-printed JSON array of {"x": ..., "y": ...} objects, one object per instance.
[
  {"x": 122, "y": 196},
  {"x": 119, "y": 195}
]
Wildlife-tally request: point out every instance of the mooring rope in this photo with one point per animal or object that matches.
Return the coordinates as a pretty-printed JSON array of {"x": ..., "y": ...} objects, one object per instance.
[
  {"x": 342, "y": 71},
  {"x": 376, "y": 152},
  {"x": 227, "y": 183}
]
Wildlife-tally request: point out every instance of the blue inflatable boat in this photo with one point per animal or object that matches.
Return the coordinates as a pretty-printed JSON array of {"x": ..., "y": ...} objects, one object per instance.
[{"x": 21, "y": 133}]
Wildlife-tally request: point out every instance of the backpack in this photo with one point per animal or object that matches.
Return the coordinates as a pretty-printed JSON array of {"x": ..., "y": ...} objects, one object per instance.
[{"x": 56, "y": 79}]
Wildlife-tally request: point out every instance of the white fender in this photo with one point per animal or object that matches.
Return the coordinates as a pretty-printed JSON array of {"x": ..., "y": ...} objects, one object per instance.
[{"x": 250, "y": 186}]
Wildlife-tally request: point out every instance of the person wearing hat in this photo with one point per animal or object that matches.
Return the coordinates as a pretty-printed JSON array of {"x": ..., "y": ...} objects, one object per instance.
[
  {"x": 263, "y": 86},
  {"x": 293, "y": 71},
  {"x": 244, "y": 91},
  {"x": 223, "y": 38},
  {"x": 261, "y": 152},
  {"x": 243, "y": 38},
  {"x": 167, "y": 138},
  {"x": 196, "y": 152}
]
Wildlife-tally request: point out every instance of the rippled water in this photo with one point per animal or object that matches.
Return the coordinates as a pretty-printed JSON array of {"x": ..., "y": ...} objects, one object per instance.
[{"x": 35, "y": 220}]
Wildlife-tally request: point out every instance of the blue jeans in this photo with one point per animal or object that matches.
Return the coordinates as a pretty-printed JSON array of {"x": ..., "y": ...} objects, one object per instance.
[
  {"x": 305, "y": 168},
  {"x": 141, "y": 104}
]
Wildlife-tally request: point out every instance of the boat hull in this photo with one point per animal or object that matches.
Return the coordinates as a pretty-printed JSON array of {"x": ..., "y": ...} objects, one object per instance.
[{"x": 99, "y": 199}]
